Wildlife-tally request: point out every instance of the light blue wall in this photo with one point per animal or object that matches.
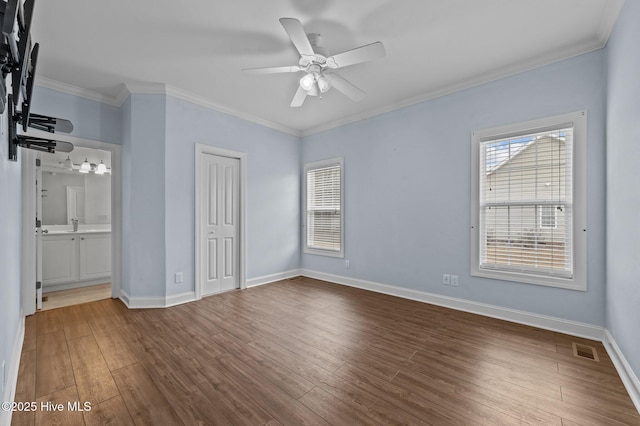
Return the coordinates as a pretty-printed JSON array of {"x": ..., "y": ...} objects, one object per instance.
[
  {"x": 10, "y": 249},
  {"x": 125, "y": 158},
  {"x": 407, "y": 188},
  {"x": 91, "y": 119},
  {"x": 273, "y": 190},
  {"x": 143, "y": 193},
  {"x": 623, "y": 195}
]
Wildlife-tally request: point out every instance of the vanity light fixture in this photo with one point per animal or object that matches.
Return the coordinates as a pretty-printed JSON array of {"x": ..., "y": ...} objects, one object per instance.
[
  {"x": 68, "y": 164},
  {"x": 101, "y": 169},
  {"x": 85, "y": 167}
]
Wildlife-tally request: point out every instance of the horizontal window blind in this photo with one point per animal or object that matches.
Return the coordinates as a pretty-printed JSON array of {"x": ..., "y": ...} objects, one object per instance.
[
  {"x": 324, "y": 208},
  {"x": 525, "y": 203}
]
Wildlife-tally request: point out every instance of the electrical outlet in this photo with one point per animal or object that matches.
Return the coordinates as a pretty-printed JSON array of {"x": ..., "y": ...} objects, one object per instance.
[
  {"x": 454, "y": 280},
  {"x": 446, "y": 279},
  {"x": 347, "y": 264},
  {"x": 179, "y": 277}
]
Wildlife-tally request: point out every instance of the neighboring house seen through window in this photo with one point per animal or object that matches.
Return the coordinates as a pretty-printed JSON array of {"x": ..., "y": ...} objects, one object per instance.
[
  {"x": 324, "y": 213},
  {"x": 548, "y": 216},
  {"x": 528, "y": 202}
]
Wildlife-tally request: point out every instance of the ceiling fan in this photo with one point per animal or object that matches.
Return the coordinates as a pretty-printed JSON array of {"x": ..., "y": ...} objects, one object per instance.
[{"x": 316, "y": 63}]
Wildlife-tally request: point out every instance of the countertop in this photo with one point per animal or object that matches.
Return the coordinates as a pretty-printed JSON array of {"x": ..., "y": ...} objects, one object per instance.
[{"x": 79, "y": 231}]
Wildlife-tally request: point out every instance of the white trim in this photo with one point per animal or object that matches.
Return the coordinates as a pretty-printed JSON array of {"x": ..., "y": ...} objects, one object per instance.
[
  {"x": 242, "y": 157},
  {"x": 579, "y": 279},
  {"x": 156, "y": 302},
  {"x": 28, "y": 291},
  {"x": 608, "y": 21},
  {"x": 164, "y": 89},
  {"x": 197, "y": 100},
  {"x": 12, "y": 372},
  {"x": 267, "y": 279},
  {"x": 76, "y": 91},
  {"x": 126, "y": 299},
  {"x": 629, "y": 378},
  {"x": 503, "y": 72},
  {"x": 116, "y": 208},
  {"x": 318, "y": 165},
  {"x": 560, "y": 325},
  {"x": 158, "y": 89},
  {"x": 179, "y": 299},
  {"x": 607, "y": 25}
]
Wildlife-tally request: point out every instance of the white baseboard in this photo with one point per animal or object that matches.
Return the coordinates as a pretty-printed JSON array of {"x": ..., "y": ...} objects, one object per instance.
[
  {"x": 266, "y": 279},
  {"x": 629, "y": 378},
  {"x": 190, "y": 296},
  {"x": 521, "y": 317},
  {"x": 12, "y": 372},
  {"x": 156, "y": 302}
]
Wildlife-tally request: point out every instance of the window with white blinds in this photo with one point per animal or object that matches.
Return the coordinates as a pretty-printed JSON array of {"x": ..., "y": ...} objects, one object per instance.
[
  {"x": 525, "y": 203},
  {"x": 324, "y": 207}
]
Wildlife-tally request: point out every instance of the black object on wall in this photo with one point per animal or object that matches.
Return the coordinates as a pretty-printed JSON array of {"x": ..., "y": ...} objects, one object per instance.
[{"x": 19, "y": 58}]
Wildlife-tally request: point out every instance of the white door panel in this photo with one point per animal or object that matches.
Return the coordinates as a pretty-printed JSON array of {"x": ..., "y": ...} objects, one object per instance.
[{"x": 220, "y": 192}]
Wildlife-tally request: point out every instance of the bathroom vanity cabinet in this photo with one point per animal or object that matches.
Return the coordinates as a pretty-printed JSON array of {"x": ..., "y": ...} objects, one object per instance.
[{"x": 75, "y": 259}]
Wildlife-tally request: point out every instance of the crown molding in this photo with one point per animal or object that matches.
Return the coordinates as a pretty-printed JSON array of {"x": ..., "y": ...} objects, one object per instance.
[
  {"x": 157, "y": 89},
  {"x": 163, "y": 89},
  {"x": 195, "y": 99},
  {"x": 504, "y": 72},
  {"x": 76, "y": 91},
  {"x": 174, "y": 92},
  {"x": 608, "y": 21}
]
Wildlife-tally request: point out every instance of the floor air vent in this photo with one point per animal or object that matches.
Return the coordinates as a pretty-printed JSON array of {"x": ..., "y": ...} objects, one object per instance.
[{"x": 584, "y": 351}]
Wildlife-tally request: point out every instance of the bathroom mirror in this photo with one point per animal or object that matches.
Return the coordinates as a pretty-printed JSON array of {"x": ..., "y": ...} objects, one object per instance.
[{"x": 68, "y": 194}]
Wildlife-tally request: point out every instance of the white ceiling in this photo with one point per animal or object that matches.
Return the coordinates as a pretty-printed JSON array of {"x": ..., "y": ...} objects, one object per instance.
[{"x": 198, "y": 47}]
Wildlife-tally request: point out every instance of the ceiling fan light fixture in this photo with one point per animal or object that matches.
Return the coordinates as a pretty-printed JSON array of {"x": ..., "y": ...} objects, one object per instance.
[
  {"x": 307, "y": 82},
  {"x": 323, "y": 84},
  {"x": 314, "y": 60}
]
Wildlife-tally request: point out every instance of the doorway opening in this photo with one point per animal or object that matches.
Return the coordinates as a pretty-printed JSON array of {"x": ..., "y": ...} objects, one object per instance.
[
  {"x": 95, "y": 229},
  {"x": 75, "y": 194}
]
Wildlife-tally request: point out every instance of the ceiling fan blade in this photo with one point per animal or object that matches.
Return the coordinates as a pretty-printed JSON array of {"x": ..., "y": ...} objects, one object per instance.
[
  {"x": 299, "y": 97},
  {"x": 298, "y": 37},
  {"x": 273, "y": 70},
  {"x": 345, "y": 87},
  {"x": 357, "y": 55}
]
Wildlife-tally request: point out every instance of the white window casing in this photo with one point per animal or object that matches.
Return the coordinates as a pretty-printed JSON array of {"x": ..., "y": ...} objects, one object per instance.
[
  {"x": 528, "y": 202},
  {"x": 323, "y": 200}
]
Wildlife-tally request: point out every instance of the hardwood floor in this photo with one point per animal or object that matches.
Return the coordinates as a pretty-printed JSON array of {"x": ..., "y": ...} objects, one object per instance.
[{"x": 303, "y": 351}]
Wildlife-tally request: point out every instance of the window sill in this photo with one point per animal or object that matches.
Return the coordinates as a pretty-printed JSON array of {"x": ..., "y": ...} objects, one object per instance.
[
  {"x": 327, "y": 253},
  {"x": 566, "y": 283}
]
